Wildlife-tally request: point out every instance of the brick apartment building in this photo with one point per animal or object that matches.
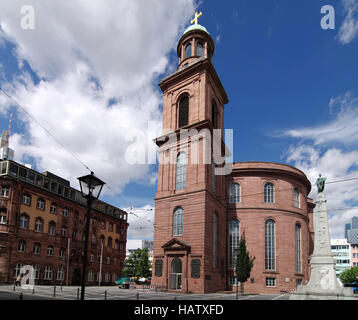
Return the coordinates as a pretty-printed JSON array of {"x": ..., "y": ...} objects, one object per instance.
[
  {"x": 42, "y": 222},
  {"x": 200, "y": 215}
]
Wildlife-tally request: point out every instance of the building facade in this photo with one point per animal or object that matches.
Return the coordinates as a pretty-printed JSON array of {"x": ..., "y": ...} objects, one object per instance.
[
  {"x": 341, "y": 251},
  {"x": 201, "y": 211},
  {"x": 42, "y": 224}
]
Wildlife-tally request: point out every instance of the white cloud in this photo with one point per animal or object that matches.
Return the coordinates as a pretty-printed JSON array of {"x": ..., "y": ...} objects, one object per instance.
[
  {"x": 141, "y": 223},
  {"x": 349, "y": 28},
  {"x": 342, "y": 129},
  {"x": 88, "y": 54},
  {"x": 334, "y": 153}
]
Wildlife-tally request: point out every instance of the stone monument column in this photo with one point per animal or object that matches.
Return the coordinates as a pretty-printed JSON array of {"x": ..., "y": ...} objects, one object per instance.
[{"x": 323, "y": 283}]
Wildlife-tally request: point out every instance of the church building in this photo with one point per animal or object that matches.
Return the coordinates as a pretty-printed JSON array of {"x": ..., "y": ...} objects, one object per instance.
[{"x": 200, "y": 215}]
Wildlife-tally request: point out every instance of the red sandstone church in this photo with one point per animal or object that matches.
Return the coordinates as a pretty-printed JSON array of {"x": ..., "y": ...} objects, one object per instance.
[{"x": 200, "y": 216}]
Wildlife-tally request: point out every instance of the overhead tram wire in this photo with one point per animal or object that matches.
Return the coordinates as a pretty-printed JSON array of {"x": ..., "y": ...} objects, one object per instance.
[
  {"x": 47, "y": 131},
  {"x": 56, "y": 139}
]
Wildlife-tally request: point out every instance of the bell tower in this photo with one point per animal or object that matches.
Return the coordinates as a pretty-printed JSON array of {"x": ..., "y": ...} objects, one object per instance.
[{"x": 190, "y": 212}]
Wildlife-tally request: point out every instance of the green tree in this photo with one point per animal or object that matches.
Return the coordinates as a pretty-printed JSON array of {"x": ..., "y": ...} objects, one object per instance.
[
  {"x": 244, "y": 264},
  {"x": 137, "y": 264},
  {"x": 349, "y": 275}
]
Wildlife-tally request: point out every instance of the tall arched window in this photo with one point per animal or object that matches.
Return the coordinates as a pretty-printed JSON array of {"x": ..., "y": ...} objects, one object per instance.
[
  {"x": 199, "y": 49},
  {"x": 181, "y": 171},
  {"x": 215, "y": 241},
  {"x": 3, "y": 216},
  {"x": 183, "y": 112},
  {"x": 296, "y": 197},
  {"x": 188, "y": 51},
  {"x": 269, "y": 193},
  {"x": 178, "y": 222},
  {"x": 41, "y": 204},
  {"x": 298, "y": 247},
  {"x": 234, "y": 241},
  {"x": 235, "y": 193},
  {"x": 270, "y": 245}
]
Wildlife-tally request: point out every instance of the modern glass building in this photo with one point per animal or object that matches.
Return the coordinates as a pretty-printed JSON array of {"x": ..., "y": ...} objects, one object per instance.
[{"x": 341, "y": 251}]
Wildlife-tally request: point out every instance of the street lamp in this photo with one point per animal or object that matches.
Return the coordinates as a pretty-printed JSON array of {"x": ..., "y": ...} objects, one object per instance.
[{"x": 91, "y": 188}]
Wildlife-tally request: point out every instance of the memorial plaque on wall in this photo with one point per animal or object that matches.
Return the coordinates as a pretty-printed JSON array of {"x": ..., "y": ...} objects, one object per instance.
[
  {"x": 195, "y": 268},
  {"x": 158, "y": 267}
]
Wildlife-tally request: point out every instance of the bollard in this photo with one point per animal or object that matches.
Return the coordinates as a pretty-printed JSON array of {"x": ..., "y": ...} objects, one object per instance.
[
  {"x": 61, "y": 285},
  {"x": 78, "y": 293},
  {"x": 33, "y": 290},
  {"x": 137, "y": 295},
  {"x": 54, "y": 291},
  {"x": 105, "y": 295},
  {"x": 175, "y": 297},
  {"x": 14, "y": 286},
  {"x": 21, "y": 296}
]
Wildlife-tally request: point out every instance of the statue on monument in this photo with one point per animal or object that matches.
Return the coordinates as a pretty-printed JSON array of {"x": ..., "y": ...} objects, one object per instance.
[{"x": 320, "y": 183}]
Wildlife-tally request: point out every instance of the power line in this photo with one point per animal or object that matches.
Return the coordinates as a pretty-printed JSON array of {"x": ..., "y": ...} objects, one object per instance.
[{"x": 47, "y": 131}]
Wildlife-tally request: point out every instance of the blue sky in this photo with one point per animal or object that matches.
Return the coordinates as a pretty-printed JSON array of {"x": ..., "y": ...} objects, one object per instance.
[{"x": 292, "y": 88}]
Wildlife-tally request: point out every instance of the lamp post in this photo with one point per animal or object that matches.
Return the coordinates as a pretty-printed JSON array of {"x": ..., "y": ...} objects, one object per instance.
[
  {"x": 91, "y": 188},
  {"x": 236, "y": 252}
]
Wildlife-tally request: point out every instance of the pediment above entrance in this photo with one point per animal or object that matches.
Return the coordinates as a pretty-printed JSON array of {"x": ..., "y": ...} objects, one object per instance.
[{"x": 176, "y": 245}]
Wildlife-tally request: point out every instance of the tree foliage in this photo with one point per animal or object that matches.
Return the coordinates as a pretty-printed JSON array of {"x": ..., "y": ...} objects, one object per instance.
[
  {"x": 244, "y": 263},
  {"x": 349, "y": 275},
  {"x": 137, "y": 264}
]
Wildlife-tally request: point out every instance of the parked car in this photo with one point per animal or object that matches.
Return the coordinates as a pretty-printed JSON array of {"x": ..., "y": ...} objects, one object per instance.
[{"x": 123, "y": 282}]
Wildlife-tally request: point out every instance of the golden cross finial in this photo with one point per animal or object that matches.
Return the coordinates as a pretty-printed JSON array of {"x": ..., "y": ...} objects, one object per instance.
[{"x": 196, "y": 17}]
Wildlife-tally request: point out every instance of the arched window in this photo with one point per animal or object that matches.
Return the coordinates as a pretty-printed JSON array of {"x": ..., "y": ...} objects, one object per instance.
[
  {"x": 109, "y": 242},
  {"x": 296, "y": 197},
  {"x": 269, "y": 193},
  {"x": 214, "y": 115},
  {"x": 60, "y": 275},
  {"x": 235, "y": 193},
  {"x": 52, "y": 228},
  {"x": 102, "y": 240},
  {"x": 3, "y": 216},
  {"x": 116, "y": 244},
  {"x": 234, "y": 241},
  {"x": 26, "y": 199},
  {"x": 37, "y": 248},
  {"x": 22, "y": 246},
  {"x": 5, "y": 191},
  {"x": 62, "y": 252},
  {"x": 188, "y": 51},
  {"x": 183, "y": 112},
  {"x": 48, "y": 273},
  {"x": 270, "y": 245},
  {"x": 215, "y": 241},
  {"x": 38, "y": 225},
  {"x": 90, "y": 275},
  {"x": 50, "y": 251},
  {"x": 24, "y": 221},
  {"x": 199, "y": 49},
  {"x": 298, "y": 247},
  {"x": 36, "y": 273},
  {"x": 181, "y": 171},
  {"x": 17, "y": 269},
  {"x": 108, "y": 260},
  {"x": 41, "y": 204},
  {"x": 53, "y": 208},
  {"x": 178, "y": 222}
]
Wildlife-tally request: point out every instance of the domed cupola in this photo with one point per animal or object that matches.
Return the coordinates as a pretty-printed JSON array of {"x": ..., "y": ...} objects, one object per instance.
[{"x": 195, "y": 43}]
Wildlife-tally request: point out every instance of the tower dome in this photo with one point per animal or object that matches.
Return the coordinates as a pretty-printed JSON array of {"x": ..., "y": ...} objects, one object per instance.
[{"x": 195, "y": 43}]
